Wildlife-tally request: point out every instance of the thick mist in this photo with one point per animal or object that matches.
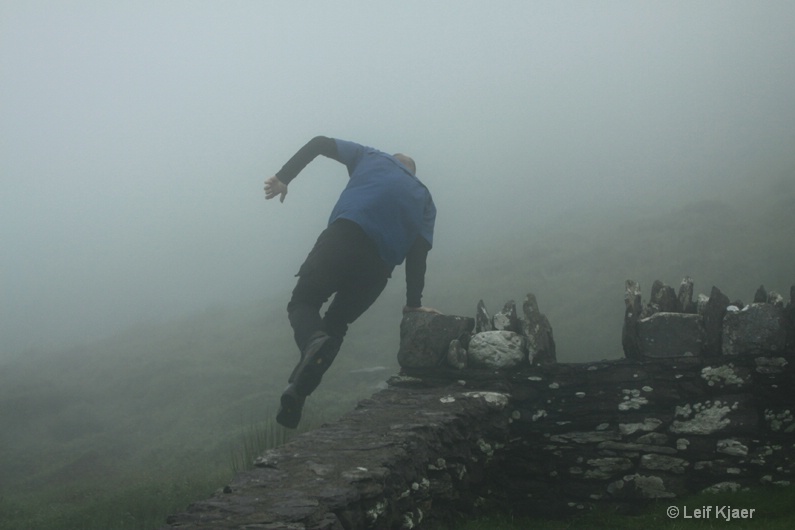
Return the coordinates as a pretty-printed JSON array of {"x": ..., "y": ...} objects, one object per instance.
[{"x": 135, "y": 137}]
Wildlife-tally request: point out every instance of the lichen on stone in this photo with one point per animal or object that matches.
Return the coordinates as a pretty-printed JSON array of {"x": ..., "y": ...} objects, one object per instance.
[
  {"x": 722, "y": 487},
  {"x": 648, "y": 425},
  {"x": 732, "y": 447},
  {"x": 632, "y": 400},
  {"x": 721, "y": 375},
  {"x": 780, "y": 421},
  {"x": 706, "y": 418},
  {"x": 494, "y": 399}
]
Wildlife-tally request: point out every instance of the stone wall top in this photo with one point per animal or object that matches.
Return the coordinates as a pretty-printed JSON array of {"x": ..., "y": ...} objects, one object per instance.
[{"x": 672, "y": 324}]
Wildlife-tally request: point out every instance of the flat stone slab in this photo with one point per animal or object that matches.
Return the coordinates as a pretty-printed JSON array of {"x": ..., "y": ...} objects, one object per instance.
[
  {"x": 371, "y": 469},
  {"x": 670, "y": 335}
]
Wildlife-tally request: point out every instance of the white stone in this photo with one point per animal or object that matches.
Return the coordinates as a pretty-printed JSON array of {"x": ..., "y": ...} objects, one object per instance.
[{"x": 496, "y": 349}]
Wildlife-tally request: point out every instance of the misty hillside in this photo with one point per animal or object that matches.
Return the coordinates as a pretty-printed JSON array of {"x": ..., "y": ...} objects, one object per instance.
[{"x": 170, "y": 402}]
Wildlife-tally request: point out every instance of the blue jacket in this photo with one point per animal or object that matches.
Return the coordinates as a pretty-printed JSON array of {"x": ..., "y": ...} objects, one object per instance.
[{"x": 390, "y": 204}]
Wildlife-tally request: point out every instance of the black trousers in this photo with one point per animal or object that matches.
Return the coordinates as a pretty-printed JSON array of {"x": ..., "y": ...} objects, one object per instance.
[{"x": 344, "y": 262}]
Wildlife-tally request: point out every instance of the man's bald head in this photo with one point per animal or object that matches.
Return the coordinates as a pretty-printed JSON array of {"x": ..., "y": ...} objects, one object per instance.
[{"x": 406, "y": 161}]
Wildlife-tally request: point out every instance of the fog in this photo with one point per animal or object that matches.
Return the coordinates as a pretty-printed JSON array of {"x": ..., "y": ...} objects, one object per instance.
[{"x": 135, "y": 137}]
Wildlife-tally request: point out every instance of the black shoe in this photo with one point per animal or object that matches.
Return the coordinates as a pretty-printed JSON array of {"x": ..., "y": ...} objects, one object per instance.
[
  {"x": 292, "y": 404},
  {"x": 316, "y": 359}
]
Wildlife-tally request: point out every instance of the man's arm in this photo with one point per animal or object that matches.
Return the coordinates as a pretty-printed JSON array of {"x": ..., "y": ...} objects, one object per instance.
[
  {"x": 319, "y": 145},
  {"x": 415, "y": 275}
]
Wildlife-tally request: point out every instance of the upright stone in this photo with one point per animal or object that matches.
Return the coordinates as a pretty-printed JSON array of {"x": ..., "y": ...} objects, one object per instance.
[
  {"x": 482, "y": 318},
  {"x": 425, "y": 337},
  {"x": 789, "y": 319},
  {"x": 714, "y": 310},
  {"x": 538, "y": 332},
  {"x": 663, "y": 299},
  {"x": 757, "y": 328},
  {"x": 760, "y": 296},
  {"x": 507, "y": 319},
  {"x": 685, "y": 296},
  {"x": 632, "y": 315}
]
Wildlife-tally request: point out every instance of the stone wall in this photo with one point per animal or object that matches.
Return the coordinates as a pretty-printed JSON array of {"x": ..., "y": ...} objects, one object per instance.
[{"x": 532, "y": 437}]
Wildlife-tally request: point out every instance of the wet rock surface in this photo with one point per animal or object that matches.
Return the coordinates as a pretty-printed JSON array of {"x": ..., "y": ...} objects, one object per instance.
[
  {"x": 533, "y": 437},
  {"x": 425, "y": 338},
  {"x": 673, "y": 325},
  {"x": 531, "y": 440}
]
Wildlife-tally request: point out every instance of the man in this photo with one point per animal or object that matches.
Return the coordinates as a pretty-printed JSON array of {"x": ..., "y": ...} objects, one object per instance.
[{"x": 384, "y": 216}]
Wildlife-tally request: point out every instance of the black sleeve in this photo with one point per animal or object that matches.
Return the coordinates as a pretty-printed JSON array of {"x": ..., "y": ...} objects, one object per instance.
[
  {"x": 415, "y": 271},
  {"x": 319, "y": 145}
]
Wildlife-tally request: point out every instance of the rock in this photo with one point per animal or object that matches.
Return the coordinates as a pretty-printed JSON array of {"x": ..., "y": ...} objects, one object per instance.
[
  {"x": 425, "y": 337},
  {"x": 457, "y": 355},
  {"x": 663, "y": 298},
  {"x": 789, "y": 321},
  {"x": 775, "y": 299},
  {"x": 670, "y": 335},
  {"x": 761, "y": 295},
  {"x": 701, "y": 304},
  {"x": 538, "y": 332},
  {"x": 714, "y": 310},
  {"x": 754, "y": 329},
  {"x": 483, "y": 320},
  {"x": 507, "y": 319},
  {"x": 496, "y": 349},
  {"x": 632, "y": 314},
  {"x": 656, "y": 462},
  {"x": 685, "y": 297}
]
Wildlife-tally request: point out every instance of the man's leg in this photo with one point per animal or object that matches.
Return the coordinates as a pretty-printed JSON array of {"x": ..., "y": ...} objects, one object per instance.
[
  {"x": 344, "y": 260},
  {"x": 351, "y": 301},
  {"x": 318, "y": 279}
]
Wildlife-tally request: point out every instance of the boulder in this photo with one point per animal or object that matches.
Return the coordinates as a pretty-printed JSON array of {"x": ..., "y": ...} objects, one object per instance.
[
  {"x": 756, "y": 328},
  {"x": 496, "y": 349},
  {"x": 538, "y": 333},
  {"x": 425, "y": 337},
  {"x": 670, "y": 335}
]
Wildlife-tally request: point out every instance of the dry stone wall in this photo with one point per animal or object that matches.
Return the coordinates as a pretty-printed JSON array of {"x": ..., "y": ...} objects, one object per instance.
[{"x": 532, "y": 437}]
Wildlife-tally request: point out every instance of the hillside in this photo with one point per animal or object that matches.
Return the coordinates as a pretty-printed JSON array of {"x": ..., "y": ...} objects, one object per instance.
[{"x": 94, "y": 434}]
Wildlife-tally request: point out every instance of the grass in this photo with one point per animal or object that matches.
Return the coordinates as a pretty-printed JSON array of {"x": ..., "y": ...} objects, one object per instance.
[
  {"x": 774, "y": 509},
  {"x": 117, "y": 434}
]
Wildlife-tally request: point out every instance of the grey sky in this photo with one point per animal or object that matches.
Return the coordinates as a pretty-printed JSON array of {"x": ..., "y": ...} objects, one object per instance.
[{"x": 135, "y": 136}]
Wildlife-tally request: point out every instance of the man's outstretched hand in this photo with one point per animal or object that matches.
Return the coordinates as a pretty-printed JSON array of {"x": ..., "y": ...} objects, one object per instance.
[
  {"x": 421, "y": 309},
  {"x": 274, "y": 187}
]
